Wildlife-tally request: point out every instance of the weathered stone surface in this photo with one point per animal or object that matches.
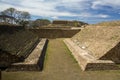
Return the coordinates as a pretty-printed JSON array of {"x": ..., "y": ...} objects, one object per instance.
[
  {"x": 34, "y": 62},
  {"x": 55, "y": 32},
  {"x": 87, "y": 61},
  {"x": 102, "y": 41},
  {"x": 101, "y": 65},
  {"x": 113, "y": 54},
  {"x": 7, "y": 59},
  {"x": 0, "y": 74}
]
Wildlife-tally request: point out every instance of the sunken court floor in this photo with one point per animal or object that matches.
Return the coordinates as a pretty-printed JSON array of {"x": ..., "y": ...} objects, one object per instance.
[{"x": 60, "y": 65}]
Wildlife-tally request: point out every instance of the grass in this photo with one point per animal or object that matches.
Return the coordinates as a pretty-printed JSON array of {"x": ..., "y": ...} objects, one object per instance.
[
  {"x": 60, "y": 65},
  {"x": 46, "y": 56},
  {"x": 70, "y": 53}
]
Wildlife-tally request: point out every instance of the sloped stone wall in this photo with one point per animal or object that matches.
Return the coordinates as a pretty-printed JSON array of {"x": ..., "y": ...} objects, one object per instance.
[
  {"x": 7, "y": 59},
  {"x": 55, "y": 33},
  {"x": 102, "y": 41},
  {"x": 113, "y": 54}
]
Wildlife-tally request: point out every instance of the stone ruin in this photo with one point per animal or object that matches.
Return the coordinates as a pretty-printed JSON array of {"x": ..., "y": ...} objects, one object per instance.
[
  {"x": 34, "y": 62},
  {"x": 20, "y": 49},
  {"x": 69, "y": 23},
  {"x": 96, "y": 50}
]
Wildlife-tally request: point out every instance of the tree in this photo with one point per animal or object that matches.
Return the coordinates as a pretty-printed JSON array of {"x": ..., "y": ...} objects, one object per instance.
[
  {"x": 18, "y": 16},
  {"x": 9, "y": 12},
  {"x": 21, "y": 16}
]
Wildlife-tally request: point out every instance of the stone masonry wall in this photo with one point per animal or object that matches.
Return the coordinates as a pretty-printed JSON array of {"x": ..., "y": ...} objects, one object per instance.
[{"x": 55, "y": 33}]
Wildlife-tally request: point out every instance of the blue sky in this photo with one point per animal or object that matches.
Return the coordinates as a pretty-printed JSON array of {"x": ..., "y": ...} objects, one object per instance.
[{"x": 91, "y": 11}]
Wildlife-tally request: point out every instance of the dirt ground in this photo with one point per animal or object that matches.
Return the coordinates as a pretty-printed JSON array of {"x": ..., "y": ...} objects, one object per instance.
[{"x": 60, "y": 65}]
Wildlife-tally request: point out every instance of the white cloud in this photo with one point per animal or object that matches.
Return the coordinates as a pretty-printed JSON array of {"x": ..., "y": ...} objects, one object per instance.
[
  {"x": 84, "y": 14},
  {"x": 37, "y": 7},
  {"x": 89, "y": 15},
  {"x": 55, "y": 17},
  {"x": 5, "y": 6},
  {"x": 48, "y": 8},
  {"x": 103, "y": 16},
  {"x": 96, "y": 4},
  {"x": 75, "y": 4},
  {"x": 42, "y": 8}
]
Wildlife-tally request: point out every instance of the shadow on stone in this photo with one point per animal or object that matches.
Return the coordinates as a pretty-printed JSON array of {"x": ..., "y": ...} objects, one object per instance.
[
  {"x": 113, "y": 54},
  {"x": 0, "y": 75},
  {"x": 55, "y": 33},
  {"x": 42, "y": 57}
]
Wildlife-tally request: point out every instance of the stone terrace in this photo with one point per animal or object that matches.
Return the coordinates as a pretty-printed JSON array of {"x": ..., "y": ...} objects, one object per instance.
[{"x": 34, "y": 62}]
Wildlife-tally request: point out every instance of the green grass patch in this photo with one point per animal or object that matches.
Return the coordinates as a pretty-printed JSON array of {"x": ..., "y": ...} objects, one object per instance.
[
  {"x": 46, "y": 55},
  {"x": 69, "y": 52}
]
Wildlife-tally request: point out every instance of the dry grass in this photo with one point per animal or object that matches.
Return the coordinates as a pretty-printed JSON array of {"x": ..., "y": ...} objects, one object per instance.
[{"x": 99, "y": 39}]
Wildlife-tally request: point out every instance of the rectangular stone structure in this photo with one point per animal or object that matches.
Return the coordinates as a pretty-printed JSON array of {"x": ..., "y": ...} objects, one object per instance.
[
  {"x": 34, "y": 62},
  {"x": 86, "y": 61}
]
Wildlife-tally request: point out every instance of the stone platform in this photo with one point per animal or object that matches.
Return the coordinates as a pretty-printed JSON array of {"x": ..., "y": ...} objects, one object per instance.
[
  {"x": 86, "y": 61},
  {"x": 35, "y": 61}
]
